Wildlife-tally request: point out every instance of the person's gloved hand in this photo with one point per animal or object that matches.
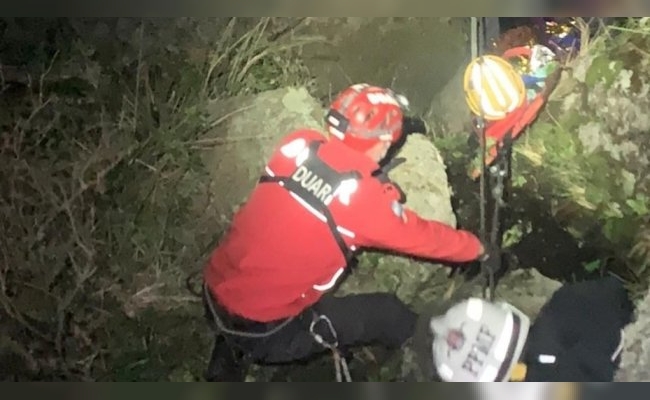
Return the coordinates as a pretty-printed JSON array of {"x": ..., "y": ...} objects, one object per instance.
[{"x": 491, "y": 258}]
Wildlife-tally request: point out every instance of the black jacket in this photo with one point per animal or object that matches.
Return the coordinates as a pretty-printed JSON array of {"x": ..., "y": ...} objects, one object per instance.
[{"x": 577, "y": 332}]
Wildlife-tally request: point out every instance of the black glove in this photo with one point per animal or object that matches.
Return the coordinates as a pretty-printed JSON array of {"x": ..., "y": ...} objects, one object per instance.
[{"x": 491, "y": 258}]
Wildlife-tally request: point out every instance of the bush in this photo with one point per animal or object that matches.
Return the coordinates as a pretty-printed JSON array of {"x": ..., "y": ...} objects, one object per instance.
[{"x": 98, "y": 186}]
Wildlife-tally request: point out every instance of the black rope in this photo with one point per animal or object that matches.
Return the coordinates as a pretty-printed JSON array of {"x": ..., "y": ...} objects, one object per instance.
[
  {"x": 500, "y": 177},
  {"x": 481, "y": 129},
  {"x": 499, "y": 172}
]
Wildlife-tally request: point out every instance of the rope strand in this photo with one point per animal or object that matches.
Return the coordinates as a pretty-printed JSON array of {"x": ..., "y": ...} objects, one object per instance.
[{"x": 234, "y": 332}]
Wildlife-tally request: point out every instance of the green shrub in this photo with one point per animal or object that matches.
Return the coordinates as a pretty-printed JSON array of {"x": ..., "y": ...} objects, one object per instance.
[{"x": 98, "y": 185}]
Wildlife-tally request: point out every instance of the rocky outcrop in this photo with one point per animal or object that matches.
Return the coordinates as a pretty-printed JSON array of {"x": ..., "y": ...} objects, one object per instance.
[
  {"x": 414, "y": 56},
  {"x": 246, "y": 130},
  {"x": 445, "y": 113},
  {"x": 635, "y": 364}
]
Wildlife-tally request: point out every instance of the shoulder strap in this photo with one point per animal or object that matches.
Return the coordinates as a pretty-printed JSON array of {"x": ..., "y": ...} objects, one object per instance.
[
  {"x": 321, "y": 208},
  {"x": 289, "y": 184}
]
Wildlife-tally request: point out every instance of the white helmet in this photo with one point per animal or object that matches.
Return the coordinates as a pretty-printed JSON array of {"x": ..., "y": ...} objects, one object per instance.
[{"x": 478, "y": 341}]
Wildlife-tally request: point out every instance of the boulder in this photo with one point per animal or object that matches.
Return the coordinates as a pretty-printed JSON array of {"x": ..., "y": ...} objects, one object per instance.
[
  {"x": 526, "y": 289},
  {"x": 635, "y": 361},
  {"x": 444, "y": 112},
  {"x": 423, "y": 178},
  {"x": 246, "y": 131}
]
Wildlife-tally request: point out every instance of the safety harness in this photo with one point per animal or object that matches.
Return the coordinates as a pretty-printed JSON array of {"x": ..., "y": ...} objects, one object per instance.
[{"x": 330, "y": 177}]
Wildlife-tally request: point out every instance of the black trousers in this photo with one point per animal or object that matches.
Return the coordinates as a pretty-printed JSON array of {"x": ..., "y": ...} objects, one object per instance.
[
  {"x": 357, "y": 320},
  {"x": 581, "y": 325}
]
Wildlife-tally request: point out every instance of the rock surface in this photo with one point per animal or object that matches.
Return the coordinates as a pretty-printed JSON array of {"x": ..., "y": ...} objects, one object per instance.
[
  {"x": 424, "y": 180},
  {"x": 635, "y": 365},
  {"x": 414, "y": 56},
  {"x": 446, "y": 113},
  {"x": 251, "y": 127}
]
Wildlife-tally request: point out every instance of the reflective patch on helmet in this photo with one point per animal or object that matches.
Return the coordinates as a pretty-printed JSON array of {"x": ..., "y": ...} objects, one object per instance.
[
  {"x": 333, "y": 121},
  {"x": 337, "y": 133},
  {"x": 403, "y": 101},
  {"x": 382, "y": 98},
  {"x": 475, "y": 309},
  {"x": 445, "y": 372}
]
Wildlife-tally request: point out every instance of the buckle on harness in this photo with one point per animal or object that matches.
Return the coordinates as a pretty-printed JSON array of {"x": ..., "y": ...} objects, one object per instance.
[
  {"x": 340, "y": 365},
  {"x": 319, "y": 338}
]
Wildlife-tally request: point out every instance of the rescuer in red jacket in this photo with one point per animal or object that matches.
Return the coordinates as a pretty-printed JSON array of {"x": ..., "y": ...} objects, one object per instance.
[{"x": 319, "y": 200}]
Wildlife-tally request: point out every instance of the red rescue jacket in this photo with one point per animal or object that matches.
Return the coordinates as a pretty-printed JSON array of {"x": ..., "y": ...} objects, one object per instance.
[{"x": 279, "y": 256}]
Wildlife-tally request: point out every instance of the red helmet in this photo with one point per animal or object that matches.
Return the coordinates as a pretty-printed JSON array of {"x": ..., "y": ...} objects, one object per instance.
[{"x": 363, "y": 115}]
